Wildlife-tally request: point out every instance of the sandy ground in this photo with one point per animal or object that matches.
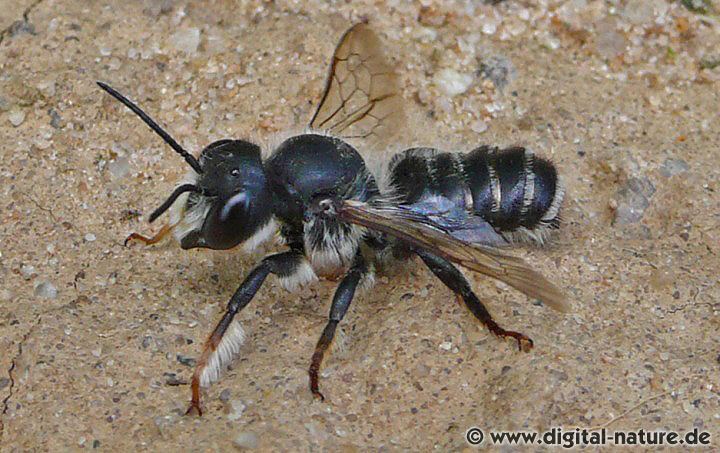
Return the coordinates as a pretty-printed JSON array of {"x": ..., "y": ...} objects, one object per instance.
[{"x": 96, "y": 337}]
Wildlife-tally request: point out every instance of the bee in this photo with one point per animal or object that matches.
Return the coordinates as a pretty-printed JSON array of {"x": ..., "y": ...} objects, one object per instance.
[{"x": 337, "y": 218}]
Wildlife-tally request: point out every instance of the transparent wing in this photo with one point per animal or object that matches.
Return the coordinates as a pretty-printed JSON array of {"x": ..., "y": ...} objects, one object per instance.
[
  {"x": 362, "y": 98},
  {"x": 486, "y": 260}
]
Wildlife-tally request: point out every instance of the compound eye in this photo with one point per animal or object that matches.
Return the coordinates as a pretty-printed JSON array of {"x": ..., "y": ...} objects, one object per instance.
[{"x": 235, "y": 172}]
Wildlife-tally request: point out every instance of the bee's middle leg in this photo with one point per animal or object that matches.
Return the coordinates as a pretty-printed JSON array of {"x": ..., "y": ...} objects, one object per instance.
[
  {"x": 340, "y": 304},
  {"x": 456, "y": 281}
]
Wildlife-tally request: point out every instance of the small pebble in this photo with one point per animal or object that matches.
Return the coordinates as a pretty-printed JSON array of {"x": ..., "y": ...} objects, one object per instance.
[
  {"x": 238, "y": 407},
  {"x": 147, "y": 340},
  {"x": 452, "y": 82},
  {"x": 119, "y": 168},
  {"x": 633, "y": 199},
  {"x": 46, "y": 290},
  {"x": 609, "y": 42},
  {"x": 186, "y": 40},
  {"x": 672, "y": 167},
  {"x": 165, "y": 421},
  {"x": 499, "y": 70},
  {"x": 247, "y": 440},
  {"x": 27, "y": 271},
  {"x": 489, "y": 26},
  {"x": 638, "y": 12},
  {"x": 173, "y": 380},
  {"x": 90, "y": 237},
  {"x": 47, "y": 87},
  {"x": 478, "y": 126},
  {"x": 225, "y": 395},
  {"x": 187, "y": 361},
  {"x": 16, "y": 117}
]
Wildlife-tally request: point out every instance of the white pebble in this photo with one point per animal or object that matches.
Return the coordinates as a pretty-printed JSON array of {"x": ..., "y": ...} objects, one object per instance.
[
  {"x": 90, "y": 237},
  {"x": 119, "y": 167},
  {"x": 446, "y": 345},
  {"x": 16, "y": 117},
  {"x": 478, "y": 126},
  {"x": 237, "y": 410},
  {"x": 186, "y": 40},
  {"x": 639, "y": 12},
  {"x": 46, "y": 290},
  {"x": 47, "y": 87},
  {"x": 246, "y": 439},
  {"x": 27, "y": 271},
  {"x": 452, "y": 82}
]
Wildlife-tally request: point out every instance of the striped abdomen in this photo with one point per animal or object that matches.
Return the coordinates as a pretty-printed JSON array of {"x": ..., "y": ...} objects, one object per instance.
[{"x": 511, "y": 189}]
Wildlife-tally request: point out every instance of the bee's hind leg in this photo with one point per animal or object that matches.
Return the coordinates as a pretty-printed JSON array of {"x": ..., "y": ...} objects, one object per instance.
[
  {"x": 456, "y": 281},
  {"x": 340, "y": 304},
  {"x": 159, "y": 236}
]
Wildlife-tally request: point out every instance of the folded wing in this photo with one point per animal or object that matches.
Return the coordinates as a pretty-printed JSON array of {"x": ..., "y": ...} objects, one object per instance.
[{"x": 419, "y": 231}]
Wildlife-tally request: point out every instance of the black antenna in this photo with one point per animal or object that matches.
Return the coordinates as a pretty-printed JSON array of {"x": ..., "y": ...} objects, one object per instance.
[
  {"x": 171, "y": 199},
  {"x": 189, "y": 158}
]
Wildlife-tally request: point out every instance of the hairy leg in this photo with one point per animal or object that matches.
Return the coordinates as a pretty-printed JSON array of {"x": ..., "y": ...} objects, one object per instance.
[{"x": 219, "y": 347}]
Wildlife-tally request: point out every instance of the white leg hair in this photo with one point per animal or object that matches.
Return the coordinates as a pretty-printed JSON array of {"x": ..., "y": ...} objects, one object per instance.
[
  {"x": 303, "y": 275},
  {"x": 261, "y": 236},
  {"x": 221, "y": 357},
  {"x": 367, "y": 281}
]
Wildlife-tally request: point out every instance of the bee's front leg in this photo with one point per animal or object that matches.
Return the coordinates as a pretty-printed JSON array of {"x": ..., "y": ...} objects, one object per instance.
[
  {"x": 456, "y": 281},
  {"x": 159, "y": 236},
  {"x": 340, "y": 304},
  {"x": 224, "y": 342}
]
